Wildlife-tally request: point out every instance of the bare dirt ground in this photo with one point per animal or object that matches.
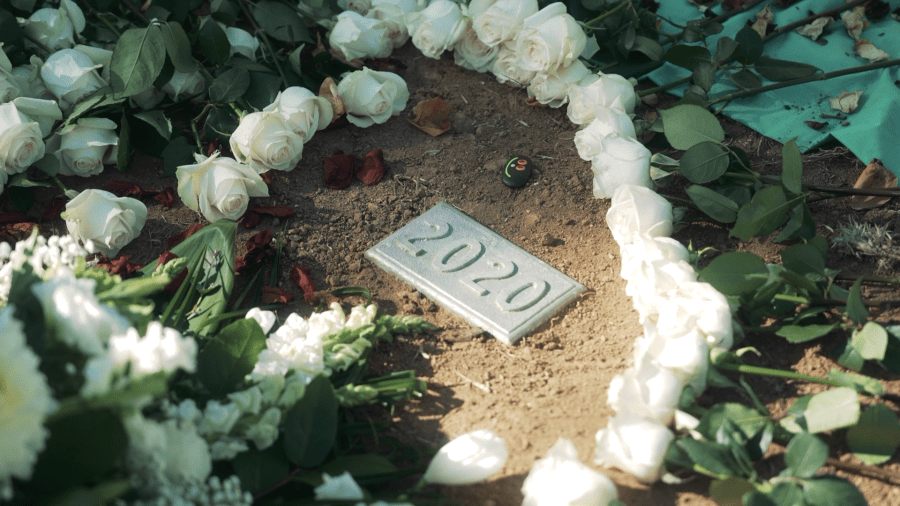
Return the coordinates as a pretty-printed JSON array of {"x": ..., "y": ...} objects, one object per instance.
[{"x": 553, "y": 382}]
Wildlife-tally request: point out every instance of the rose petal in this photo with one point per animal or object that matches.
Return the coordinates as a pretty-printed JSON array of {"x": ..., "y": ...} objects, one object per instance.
[
  {"x": 339, "y": 171},
  {"x": 432, "y": 116},
  {"x": 123, "y": 188},
  {"x": 276, "y": 295},
  {"x": 121, "y": 266},
  {"x": 372, "y": 169},
  {"x": 166, "y": 197},
  {"x": 250, "y": 219},
  {"x": 301, "y": 276},
  {"x": 259, "y": 241}
]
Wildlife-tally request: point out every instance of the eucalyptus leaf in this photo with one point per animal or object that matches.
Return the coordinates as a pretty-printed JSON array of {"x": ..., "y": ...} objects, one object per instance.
[
  {"x": 876, "y": 436},
  {"x": 229, "y": 86},
  {"x": 832, "y": 409},
  {"x": 310, "y": 426},
  {"x": 688, "y": 125},
  {"x": 735, "y": 272},
  {"x": 805, "y": 454},
  {"x": 783, "y": 70},
  {"x": 717, "y": 206},
  {"x": 870, "y": 341},
  {"x": 137, "y": 59}
]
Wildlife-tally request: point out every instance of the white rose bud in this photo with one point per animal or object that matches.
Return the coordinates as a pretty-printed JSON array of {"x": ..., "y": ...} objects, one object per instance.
[
  {"x": 472, "y": 53},
  {"x": 44, "y": 112},
  {"x": 219, "y": 187},
  {"x": 184, "y": 85},
  {"x": 589, "y": 140},
  {"x": 83, "y": 148},
  {"x": 470, "y": 458},
  {"x": 550, "y": 38},
  {"x": 21, "y": 142},
  {"x": 647, "y": 390},
  {"x": 638, "y": 210},
  {"x": 56, "y": 28},
  {"x": 304, "y": 112},
  {"x": 265, "y": 141},
  {"x": 560, "y": 479},
  {"x": 242, "y": 42},
  {"x": 610, "y": 91},
  {"x": 622, "y": 160},
  {"x": 372, "y": 97},
  {"x": 107, "y": 221},
  {"x": 357, "y": 36},
  {"x": 553, "y": 89},
  {"x": 634, "y": 445},
  {"x": 698, "y": 305},
  {"x": 502, "y": 20},
  {"x": 506, "y": 67},
  {"x": 71, "y": 75},
  {"x": 437, "y": 28}
]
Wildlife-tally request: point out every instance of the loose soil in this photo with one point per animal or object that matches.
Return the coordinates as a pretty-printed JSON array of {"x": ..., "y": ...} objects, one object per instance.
[{"x": 553, "y": 382}]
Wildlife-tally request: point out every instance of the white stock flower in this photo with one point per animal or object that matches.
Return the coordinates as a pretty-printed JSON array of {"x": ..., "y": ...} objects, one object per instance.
[
  {"x": 45, "y": 255},
  {"x": 609, "y": 91},
  {"x": 437, "y": 28},
  {"x": 44, "y": 112},
  {"x": 219, "y": 187},
  {"x": 638, "y": 210},
  {"x": 242, "y": 42},
  {"x": 589, "y": 140},
  {"x": 159, "y": 349},
  {"x": 304, "y": 112},
  {"x": 647, "y": 390},
  {"x": 265, "y": 431},
  {"x": 290, "y": 348},
  {"x": 472, "y": 53},
  {"x": 635, "y": 445},
  {"x": 218, "y": 418},
  {"x": 73, "y": 314},
  {"x": 56, "y": 28},
  {"x": 621, "y": 161},
  {"x": 357, "y": 36},
  {"x": 25, "y": 401},
  {"x": 85, "y": 147},
  {"x": 506, "y": 67},
  {"x": 265, "y": 319},
  {"x": 549, "y": 39},
  {"x": 502, "y": 20},
  {"x": 21, "y": 143},
  {"x": 553, "y": 88},
  {"x": 338, "y": 488},
  {"x": 560, "y": 479},
  {"x": 372, "y": 97},
  {"x": 164, "y": 454},
  {"x": 265, "y": 141},
  {"x": 103, "y": 222},
  {"x": 249, "y": 400},
  {"x": 71, "y": 75},
  {"x": 184, "y": 85},
  {"x": 361, "y": 316},
  {"x": 475, "y": 456}
]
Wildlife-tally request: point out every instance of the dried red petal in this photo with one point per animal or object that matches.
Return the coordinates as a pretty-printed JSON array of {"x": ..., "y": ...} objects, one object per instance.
[
  {"x": 302, "y": 277},
  {"x": 259, "y": 241},
  {"x": 123, "y": 188},
  {"x": 166, "y": 197},
  {"x": 240, "y": 265},
  {"x": 276, "y": 295},
  {"x": 372, "y": 169},
  {"x": 121, "y": 266},
  {"x": 184, "y": 234},
  {"x": 250, "y": 219},
  {"x": 266, "y": 177},
  {"x": 165, "y": 257},
  {"x": 54, "y": 208},
  {"x": 14, "y": 217},
  {"x": 277, "y": 211},
  {"x": 12, "y": 232},
  {"x": 339, "y": 171}
]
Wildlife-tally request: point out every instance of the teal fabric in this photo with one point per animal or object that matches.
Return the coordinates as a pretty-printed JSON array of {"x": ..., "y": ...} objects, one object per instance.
[{"x": 874, "y": 129}]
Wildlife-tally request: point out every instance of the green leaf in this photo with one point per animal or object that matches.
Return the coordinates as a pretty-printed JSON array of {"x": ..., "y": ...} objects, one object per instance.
[
  {"x": 688, "y": 125},
  {"x": 730, "y": 273},
  {"x": 75, "y": 453},
  {"x": 359, "y": 466},
  {"x": 220, "y": 123},
  {"x": 832, "y": 491},
  {"x": 746, "y": 79},
  {"x": 213, "y": 42},
  {"x": 861, "y": 383},
  {"x": 294, "y": 59},
  {"x": 715, "y": 457},
  {"x": 11, "y": 34},
  {"x": 717, "y": 206},
  {"x": 849, "y": 357},
  {"x": 280, "y": 22},
  {"x": 647, "y": 47},
  {"x": 178, "y": 152},
  {"x": 49, "y": 164},
  {"x": 230, "y": 355},
  {"x": 875, "y": 438},
  {"x": 137, "y": 59},
  {"x": 704, "y": 162},
  {"x": 805, "y": 455},
  {"x": 704, "y": 75},
  {"x": 262, "y": 91},
  {"x": 158, "y": 121},
  {"x": 728, "y": 492},
  {"x": 803, "y": 259},
  {"x": 310, "y": 426},
  {"x": 803, "y": 333},
  {"x": 178, "y": 47},
  {"x": 21, "y": 180},
  {"x": 791, "y": 167},
  {"x": 755, "y": 498},
  {"x": 856, "y": 310},
  {"x": 750, "y": 46},
  {"x": 98, "y": 99},
  {"x": 687, "y": 57},
  {"x": 748, "y": 420},
  {"x": 261, "y": 469},
  {"x": 786, "y": 493},
  {"x": 765, "y": 213},
  {"x": 870, "y": 341},
  {"x": 891, "y": 359},
  {"x": 799, "y": 226},
  {"x": 725, "y": 47},
  {"x": 832, "y": 409},
  {"x": 229, "y": 86},
  {"x": 782, "y": 70}
]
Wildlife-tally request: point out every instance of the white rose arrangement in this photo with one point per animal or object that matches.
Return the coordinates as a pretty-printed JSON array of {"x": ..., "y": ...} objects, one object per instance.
[
  {"x": 621, "y": 161},
  {"x": 103, "y": 222},
  {"x": 219, "y": 187},
  {"x": 372, "y": 97},
  {"x": 472, "y": 53},
  {"x": 29, "y": 81},
  {"x": 10, "y": 87},
  {"x": 265, "y": 141},
  {"x": 553, "y": 88},
  {"x": 502, "y": 20},
  {"x": 85, "y": 147},
  {"x": 560, "y": 479}
]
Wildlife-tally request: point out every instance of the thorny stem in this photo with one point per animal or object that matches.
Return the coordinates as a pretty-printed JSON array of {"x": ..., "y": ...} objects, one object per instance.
[
  {"x": 137, "y": 12},
  {"x": 809, "y": 19},
  {"x": 608, "y": 13},
  {"x": 778, "y": 373}
]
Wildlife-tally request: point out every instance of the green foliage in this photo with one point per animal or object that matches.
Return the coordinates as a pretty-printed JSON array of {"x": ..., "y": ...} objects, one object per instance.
[
  {"x": 876, "y": 436},
  {"x": 832, "y": 409},
  {"x": 735, "y": 272},
  {"x": 750, "y": 46},
  {"x": 178, "y": 47},
  {"x": 136, "y": 61},
  {"x": 229, "y": 356},
  {"x": 280, "y": 22},
  {"x": 229, "y": 86},
  {"x": 870, "y": 341},
  {"x": 765, "y": 212},
  {"x": 213, "y": 42},
  {"x": 805, "y": 454},
  {"x": 689, "y": 125},
  {"x": 782, "y": 70},
  {"x": 717, "y": 206},
  {"x": 178, "y": 152},
  {"x": 704, "y": 162},
  {"x": 687, "y": 57},
  {"x": 310, "y": 427}
]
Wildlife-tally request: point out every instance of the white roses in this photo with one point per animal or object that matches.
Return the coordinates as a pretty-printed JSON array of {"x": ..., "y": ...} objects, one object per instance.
[
  {"x": 502, "y": 20},
  {"x": 56, "y": 28},
  {"x": 437, "y": 28},
  {"x": 357, "y": 36},
  {"x": 550, "y": 39},
  {"x": 71, "y": 75},
  {"x": 20, "y": 141},
  {"x": 83, "y": 148},
  {"x": 560, "y": 479},
  {"x": 103, "y": 222},
  {"x": 470, "y": 458},
  {"x": 264, "y": 141},
  {"x": 304, "y": 112},
  {"x": 219, "y": 187},
  {"x": 372, "y": 97}
]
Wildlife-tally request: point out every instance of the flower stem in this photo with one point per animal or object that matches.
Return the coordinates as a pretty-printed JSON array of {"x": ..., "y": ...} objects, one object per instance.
[
  {"x": 137, "y": 12},
  {"x": 809, "y": 19},
  {"x": 664, "y": 87},
  {"x": 816, "y": 77},
  {"x": 608, "y": 13},
  {"x": 717, "y": 19},
  {"x": 778, "y": 373},
  {"x": 194, "y": 126},
  {"x": 60, "y": 184},
  {"x": 109, "y": 25}
]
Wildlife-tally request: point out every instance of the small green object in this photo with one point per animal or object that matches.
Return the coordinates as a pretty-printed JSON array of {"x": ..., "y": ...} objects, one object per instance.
[{"x": 517, "y": 171}]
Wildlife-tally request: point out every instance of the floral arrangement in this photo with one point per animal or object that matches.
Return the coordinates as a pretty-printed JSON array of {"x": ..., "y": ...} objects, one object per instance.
[{"x": 201, "y": 404}]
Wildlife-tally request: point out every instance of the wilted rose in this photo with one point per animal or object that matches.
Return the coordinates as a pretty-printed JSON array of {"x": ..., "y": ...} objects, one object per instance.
[
  {"x": 437, "y": 28},
  {"x": 84, "y": 147},
  {"x": 357, "y": 36},
  {"x": 549, "y": 39},
  {"x": 560, "y": 479},
  {"x": 107, "y": 221},
  {"x": 372, "y": 97},
  {"x": 622, "y": 160},
  {"x": 634, "y": 445},
  {"x": 265, "y": 141},
  {"x": 219, "y": 187},
  {"x": 470, "y": 458}
]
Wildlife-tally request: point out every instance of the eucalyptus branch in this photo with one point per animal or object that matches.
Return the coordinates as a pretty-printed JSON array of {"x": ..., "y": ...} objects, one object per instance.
[
  {"x": 803, "y": 80},
  {"x": 778, "y": 373},
  {"x": 809, "y": 19},
  {"x": 137, "y": 12}
]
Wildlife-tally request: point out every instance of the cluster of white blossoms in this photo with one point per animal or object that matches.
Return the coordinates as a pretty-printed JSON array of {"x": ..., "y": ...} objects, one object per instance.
[
  {"x": 44, "y": 254},
  {"x": 683, "y": 320}
]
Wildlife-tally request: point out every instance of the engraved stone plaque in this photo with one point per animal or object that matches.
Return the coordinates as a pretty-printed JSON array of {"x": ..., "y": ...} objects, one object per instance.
[{"x": 473, "y": 272}]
